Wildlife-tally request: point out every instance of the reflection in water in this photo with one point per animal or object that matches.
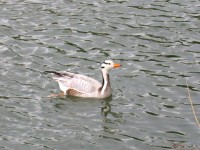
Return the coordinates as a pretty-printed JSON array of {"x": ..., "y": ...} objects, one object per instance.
[
  {"x": 110, "y": 127},
  {"x": 105, "y": 110},
  {"x": 108, "y": 115}
]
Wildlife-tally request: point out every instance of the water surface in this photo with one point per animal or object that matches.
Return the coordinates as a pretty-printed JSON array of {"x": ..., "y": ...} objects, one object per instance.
[{"x": 157, "y": 43}]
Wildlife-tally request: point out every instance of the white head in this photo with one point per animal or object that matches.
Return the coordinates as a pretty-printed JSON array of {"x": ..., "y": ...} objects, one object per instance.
[{"x": 107, "y": 65}]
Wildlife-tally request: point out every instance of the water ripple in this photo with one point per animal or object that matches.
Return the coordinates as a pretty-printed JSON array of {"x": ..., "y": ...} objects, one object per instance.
[{"x": 157, "y": 44}]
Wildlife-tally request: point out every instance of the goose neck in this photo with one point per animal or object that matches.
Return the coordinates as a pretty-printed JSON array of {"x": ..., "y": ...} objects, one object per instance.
[{"x": 105, "y": 82}]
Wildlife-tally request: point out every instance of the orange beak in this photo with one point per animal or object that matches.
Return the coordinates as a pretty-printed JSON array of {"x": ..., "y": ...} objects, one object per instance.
[{"x": 117, "y": 65}]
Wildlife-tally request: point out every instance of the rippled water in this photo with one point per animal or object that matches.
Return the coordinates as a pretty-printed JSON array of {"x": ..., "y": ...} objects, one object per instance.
[{"x": 156, "y": 41}]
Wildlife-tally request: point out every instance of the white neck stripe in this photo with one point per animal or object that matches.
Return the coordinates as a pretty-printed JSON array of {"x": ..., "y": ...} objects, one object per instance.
[{"x": 104, "y": 87}]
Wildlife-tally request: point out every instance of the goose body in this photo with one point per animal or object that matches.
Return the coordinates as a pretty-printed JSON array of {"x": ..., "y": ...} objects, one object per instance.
[{"x": 84, "y": 86}]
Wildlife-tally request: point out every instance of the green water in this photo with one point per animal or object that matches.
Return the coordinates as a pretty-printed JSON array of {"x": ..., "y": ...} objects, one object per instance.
[{"x": 157, "y": 42}]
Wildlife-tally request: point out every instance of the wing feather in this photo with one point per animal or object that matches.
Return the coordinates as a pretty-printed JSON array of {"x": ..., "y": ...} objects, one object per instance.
[{"x": 77, "y": 82}]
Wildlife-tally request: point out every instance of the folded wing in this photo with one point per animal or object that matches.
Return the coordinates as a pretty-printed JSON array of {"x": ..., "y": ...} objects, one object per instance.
[{"x": 75, "y": 83}]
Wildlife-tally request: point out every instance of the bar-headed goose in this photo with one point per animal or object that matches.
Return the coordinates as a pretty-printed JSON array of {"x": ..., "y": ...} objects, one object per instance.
[{"x": 83, "y": 86}]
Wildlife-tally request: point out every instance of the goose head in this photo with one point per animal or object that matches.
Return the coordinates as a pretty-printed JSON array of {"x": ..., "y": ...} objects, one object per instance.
[{"x": 107, "y": 65}]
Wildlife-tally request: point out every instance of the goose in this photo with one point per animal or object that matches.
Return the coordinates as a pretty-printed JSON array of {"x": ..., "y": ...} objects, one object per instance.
[{"x": 83, "y": 86}]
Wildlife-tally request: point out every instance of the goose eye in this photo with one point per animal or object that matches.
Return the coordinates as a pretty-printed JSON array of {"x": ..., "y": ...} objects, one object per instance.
[{"x": 102, "y": 67}]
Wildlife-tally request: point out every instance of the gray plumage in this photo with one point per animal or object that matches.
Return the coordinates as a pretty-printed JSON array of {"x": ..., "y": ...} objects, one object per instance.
[{"x": 84, "y": 86}]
